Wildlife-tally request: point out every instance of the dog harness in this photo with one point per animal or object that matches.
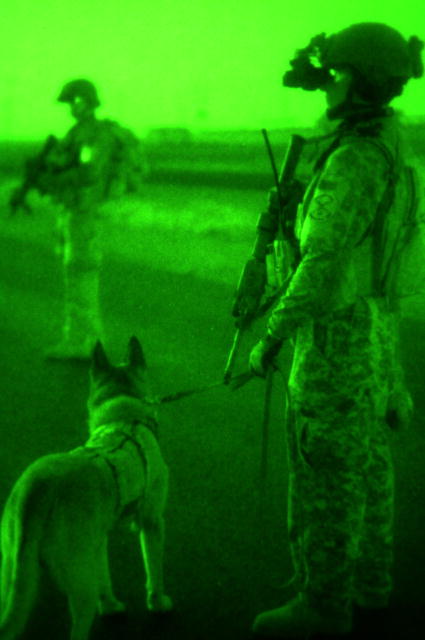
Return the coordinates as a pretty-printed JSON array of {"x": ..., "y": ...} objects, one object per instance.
[{"x": 117, "y": 445}]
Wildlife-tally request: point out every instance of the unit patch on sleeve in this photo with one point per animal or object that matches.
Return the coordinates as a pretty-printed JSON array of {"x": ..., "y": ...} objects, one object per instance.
[{"x": 323, "y": 207}]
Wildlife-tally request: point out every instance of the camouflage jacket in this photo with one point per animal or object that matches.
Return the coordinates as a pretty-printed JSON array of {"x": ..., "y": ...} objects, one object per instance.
[
  {"x": 79, "y": 166},
  {"x": 341, "y": 322}
]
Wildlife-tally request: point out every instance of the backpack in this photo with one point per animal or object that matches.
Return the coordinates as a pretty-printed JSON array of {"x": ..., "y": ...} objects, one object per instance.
[
  {"x": 399, "y": 238},
  {"x": 129, "y": 166}
]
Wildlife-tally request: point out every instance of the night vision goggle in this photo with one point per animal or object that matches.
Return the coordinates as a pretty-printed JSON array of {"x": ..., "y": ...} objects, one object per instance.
[{"x": 307, "y": 70}]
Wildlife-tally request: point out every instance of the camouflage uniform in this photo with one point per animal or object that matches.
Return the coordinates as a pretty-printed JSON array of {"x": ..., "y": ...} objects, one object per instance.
[
  {"x": 80, "y": 167},
  {"x": 341, "y": 477}
]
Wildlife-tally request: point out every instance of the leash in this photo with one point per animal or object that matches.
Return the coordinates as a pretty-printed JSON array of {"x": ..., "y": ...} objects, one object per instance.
[
  {"x": 234, "y": 383},
  {"x": 265, "y": 432}
]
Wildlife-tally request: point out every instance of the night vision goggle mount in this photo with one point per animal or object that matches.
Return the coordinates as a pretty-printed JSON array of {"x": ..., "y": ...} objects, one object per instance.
[{"x": 307, "y": 70}]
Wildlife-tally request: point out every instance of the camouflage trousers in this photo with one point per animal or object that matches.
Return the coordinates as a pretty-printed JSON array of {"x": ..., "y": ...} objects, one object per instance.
[
  {"x": 341, "y": 494},
  {"x": 82, "y": 256},
  {"x": 340, "y": 511}
]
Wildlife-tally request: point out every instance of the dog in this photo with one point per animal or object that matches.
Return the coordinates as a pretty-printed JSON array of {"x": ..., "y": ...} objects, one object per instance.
[{"x": 58, "y": 514}]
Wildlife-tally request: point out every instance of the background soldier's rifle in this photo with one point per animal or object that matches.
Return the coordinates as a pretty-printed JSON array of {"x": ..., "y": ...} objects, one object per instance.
[
  {"x": 33, "y": 169},
  {"x": 288, "y": 197}
]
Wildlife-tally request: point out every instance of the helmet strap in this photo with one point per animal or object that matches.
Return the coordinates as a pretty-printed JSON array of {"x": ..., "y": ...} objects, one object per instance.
[{"x": 352, "y": 111}]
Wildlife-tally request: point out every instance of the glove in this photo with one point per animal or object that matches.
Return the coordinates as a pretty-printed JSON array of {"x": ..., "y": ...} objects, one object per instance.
[
  {"x": 250, "y": 289},
  {"x": 263, "y": 354},
  {"x": 399, "y": 409}
]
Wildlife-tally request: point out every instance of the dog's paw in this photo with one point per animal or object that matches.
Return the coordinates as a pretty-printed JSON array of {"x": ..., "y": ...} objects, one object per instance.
[
  {"x": 159, "y": 603},
  {"x": 111, "y": 606}
]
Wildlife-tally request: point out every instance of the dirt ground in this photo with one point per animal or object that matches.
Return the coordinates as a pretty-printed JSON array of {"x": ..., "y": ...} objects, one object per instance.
[{"x": 171, "y": 264}]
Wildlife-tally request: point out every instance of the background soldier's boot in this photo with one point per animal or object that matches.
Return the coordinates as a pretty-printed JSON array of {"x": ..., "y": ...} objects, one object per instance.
[{"x": 297, "y": 620}]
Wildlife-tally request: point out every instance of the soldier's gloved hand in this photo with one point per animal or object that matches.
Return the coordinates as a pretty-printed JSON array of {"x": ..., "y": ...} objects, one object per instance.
[
  {"x": 250, "y": 290},
  {"x": 399, "y": 409},
  {"x": 263, "y": 355}
]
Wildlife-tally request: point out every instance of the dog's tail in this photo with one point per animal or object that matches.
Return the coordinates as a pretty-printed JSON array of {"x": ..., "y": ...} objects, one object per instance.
[{"x": 21, "y": 531}]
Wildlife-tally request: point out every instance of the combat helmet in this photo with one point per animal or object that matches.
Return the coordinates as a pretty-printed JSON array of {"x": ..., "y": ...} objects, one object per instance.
[
  {"x": 375, "y": 52},
  {"x": 377, "y": 55},
  {"x": 79, "y": 88}
]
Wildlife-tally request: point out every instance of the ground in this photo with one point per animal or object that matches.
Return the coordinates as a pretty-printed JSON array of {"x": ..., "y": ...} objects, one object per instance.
[{"x": 171, "y": 264}]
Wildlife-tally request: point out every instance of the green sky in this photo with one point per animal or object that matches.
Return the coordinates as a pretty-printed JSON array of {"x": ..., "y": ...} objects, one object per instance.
[{"x": 199, "y": 63}]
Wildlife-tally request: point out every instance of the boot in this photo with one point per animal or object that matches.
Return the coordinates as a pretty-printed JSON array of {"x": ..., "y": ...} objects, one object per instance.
[{"x": 297, "y": 619}]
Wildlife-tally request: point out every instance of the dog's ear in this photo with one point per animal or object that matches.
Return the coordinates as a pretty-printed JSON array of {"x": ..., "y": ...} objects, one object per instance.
[
  {"x": 99, "y": 360},
  {"x": 136, "y": 357}
]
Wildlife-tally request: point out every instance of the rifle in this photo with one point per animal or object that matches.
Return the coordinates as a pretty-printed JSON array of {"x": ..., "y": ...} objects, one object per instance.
[
  {"x": 283, "y": 181},
  {"x": 33, "y": 168}
]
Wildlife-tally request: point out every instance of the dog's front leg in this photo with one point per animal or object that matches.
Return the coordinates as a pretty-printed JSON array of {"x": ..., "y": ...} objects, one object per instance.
[
  {"x": 152, "y": 544},
  {"x": 108, "y": 603}
]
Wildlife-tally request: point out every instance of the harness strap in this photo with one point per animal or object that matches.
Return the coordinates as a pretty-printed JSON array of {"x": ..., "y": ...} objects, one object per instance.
[
  {"x": 409, "y": 220},
  {"x": 378, "y": 239},
  {"x": 98, "y": 453},
  {"x": 102, "y": 453},
  {"x": 129, "y": 438}
]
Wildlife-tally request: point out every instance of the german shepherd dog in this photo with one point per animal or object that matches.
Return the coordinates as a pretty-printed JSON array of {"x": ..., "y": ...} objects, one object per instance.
[{"x": 60, "y": 511}]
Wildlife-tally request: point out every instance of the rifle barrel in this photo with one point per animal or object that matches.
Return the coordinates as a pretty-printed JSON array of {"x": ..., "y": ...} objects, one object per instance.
[
  {"x": 271, "y": 156},
  {"x": 292, "y": 157}
]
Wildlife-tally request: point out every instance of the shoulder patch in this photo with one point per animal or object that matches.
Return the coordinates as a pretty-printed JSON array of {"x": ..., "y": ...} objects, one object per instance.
[{"x": 323, "y": 207}]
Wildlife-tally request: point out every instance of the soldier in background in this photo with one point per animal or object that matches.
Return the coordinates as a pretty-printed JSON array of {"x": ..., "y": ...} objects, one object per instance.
[
  {"x": 95, "y": 161},
  {"x": 346, "y": 386}
]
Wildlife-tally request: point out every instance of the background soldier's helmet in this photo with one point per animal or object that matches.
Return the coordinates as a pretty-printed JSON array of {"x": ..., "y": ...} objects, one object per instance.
[{"x": 79, "y": 89}]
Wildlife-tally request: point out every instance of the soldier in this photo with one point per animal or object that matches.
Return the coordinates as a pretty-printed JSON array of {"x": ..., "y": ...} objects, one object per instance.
[
  {"x": 81, "y": 165},
  {"x": 346, "y": 384},
  {"x": 80, "y": 172}
]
